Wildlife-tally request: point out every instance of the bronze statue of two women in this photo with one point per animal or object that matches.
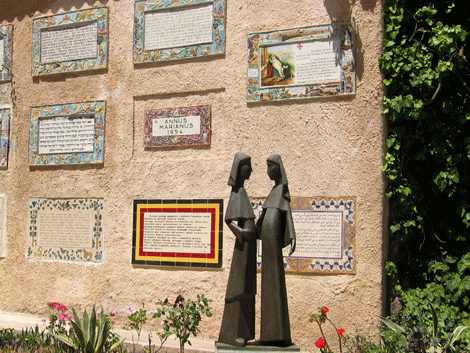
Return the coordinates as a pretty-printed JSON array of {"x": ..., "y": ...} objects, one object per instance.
[{"x": 276, "y": 230}]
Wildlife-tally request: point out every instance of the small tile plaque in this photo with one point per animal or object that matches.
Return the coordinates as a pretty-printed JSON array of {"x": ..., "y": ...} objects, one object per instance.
[
  {"x": 187, "y": 126},
  {"x": 325, "y": 235},
  {"x": 3, "y": 225},
  {"x": 178, "y": 233},
  {"x": 73, "y": 41},
  {"x": 301, "y": 63},
  {"x": 170, "y": 30},
  {"x": 66, "y": 229},
  {"x": 4, "y": 137},
  {"x": 5, "y": 52},
  {"x": 67, "y": 134}
]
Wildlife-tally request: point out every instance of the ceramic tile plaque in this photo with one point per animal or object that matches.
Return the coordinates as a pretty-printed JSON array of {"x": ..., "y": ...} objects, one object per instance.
[
  {"x": 67, "y": 134},
  {"x": 4, "y": 137},
  {"x": 65, "y": 229},
  {"x": 3, "y": 225},
  {"x": 170, "y": 30},
  {"x": 186, "y": 126},
  {"x": 301, "y": 63},
  {"x": 325, "y": 235},
  {"x": 178, "y": 233},
  {"x": 5, "y": 52},
  {"x": 73, "y": 41}
]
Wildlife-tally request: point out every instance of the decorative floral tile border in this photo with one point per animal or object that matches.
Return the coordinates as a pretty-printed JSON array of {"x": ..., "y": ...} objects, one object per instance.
[
  {"x": 66, "y": 207},
  {"x": 4, "y": 137},
  {"x": 97, "y": 109},
  {"x": 3, "y": 225},
  {"x": 346, "y": 264},
  {"x": 178, "y": 121},
  {"x": 6, "y": 32},
  {"x": 66, "y": 20},
  {"x": 175, "y": 255},
  {"x": 257, "y": 42},
  {"x": 141, "y": 55}
]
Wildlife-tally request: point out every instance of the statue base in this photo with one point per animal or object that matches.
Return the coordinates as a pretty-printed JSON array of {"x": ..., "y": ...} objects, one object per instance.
[{"x": 254, "y": 347}]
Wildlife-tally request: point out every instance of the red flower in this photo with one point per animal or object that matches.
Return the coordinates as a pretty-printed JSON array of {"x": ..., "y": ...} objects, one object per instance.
[
  {"x": 320, "y": 343},
  {"x": 53, "y": 305},
  {"x": 64, "y": 317},
  {"x": 61, "y": 308},
  {"x": 340, "y": 331},
  {"x": 324, "y": 310},
  {"x": 112, "y": 314}
]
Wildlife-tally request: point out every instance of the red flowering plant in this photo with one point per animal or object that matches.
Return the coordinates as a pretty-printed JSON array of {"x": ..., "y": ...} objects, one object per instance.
[
  {"x": 322, "y": 342},
  {"x": 58, "y": 319}
]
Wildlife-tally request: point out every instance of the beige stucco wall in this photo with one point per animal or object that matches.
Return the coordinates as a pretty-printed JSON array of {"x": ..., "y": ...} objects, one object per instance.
[{"x": 330, "y": 147}]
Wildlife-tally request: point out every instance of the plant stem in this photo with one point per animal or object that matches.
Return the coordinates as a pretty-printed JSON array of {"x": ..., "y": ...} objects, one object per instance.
[
  {"x": 339, "y": 336},
  {"x": 323, "y": 335}
]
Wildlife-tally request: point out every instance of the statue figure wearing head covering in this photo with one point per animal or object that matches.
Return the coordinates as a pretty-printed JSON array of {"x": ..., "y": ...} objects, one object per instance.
[
  {"x": 238, "y": 322},
  {"x": 276, "y": 231}
]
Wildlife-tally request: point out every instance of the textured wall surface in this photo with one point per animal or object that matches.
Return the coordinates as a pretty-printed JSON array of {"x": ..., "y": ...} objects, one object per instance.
[{"x": 330, "y": 147}]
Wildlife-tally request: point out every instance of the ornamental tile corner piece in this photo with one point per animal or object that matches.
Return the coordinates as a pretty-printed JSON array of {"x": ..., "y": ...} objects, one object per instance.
[
  {"x": 67, "y": 134},
  {"x": 325, "y": 230},
  {"x": 301, "y": 63},
  {"x": 69, "y": 42},
  {"x": 4, "y": 137},
  {"x": 66, "y": 229},
  {"x": 184, "y": 126},
  {"x": 5, "y": 52},
  {"x": 178, "y": 29}
]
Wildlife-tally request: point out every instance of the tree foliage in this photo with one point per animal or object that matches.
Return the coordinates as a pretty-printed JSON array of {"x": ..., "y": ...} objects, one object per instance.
[{"x": 427, "y": 165}]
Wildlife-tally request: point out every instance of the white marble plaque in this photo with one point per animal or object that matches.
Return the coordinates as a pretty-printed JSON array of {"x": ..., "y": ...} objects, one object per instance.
[
  {"x": 66, "y": 135},
  {"x": 175, "y": 28},
  {"x": 188, "y": 125},
  {"x": 318, "y": 61},
  {"x": 66, "y": 229},
  {"x": 69, "y": 43},
  {"x": 319, "y": 234},
  {"x": 177, "y": 232},
  {"x": 3, "y": 225}
]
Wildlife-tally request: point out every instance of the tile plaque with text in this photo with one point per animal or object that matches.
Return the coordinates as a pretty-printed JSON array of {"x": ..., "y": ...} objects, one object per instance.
[
  {"x": 66, "y": 229},
  {"x": 178, "y": 233},
  {"x": 301, "y": 63},
  {"x": 70, "y": 133},
  {"x": 5, "y": 52},
  {"x": 172, "y": 30},
  {"x": 325, "y": 230},
  {"x": 72, "y": 41},
  {"x": 183, "y": 126},
  {"x": 4, "y": 136}
]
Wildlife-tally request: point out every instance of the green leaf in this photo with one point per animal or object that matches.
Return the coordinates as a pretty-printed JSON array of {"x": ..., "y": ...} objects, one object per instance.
[
  {"x": 457, "y": 332},
  {"x": 66, "y": 339},
  {"x": 393, "y": 326}
]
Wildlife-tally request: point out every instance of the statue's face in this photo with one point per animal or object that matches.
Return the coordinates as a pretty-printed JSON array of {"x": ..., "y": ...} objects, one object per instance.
[
  {"x": 274, "y": 171},
  {"x": 245, "y": 171}
]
